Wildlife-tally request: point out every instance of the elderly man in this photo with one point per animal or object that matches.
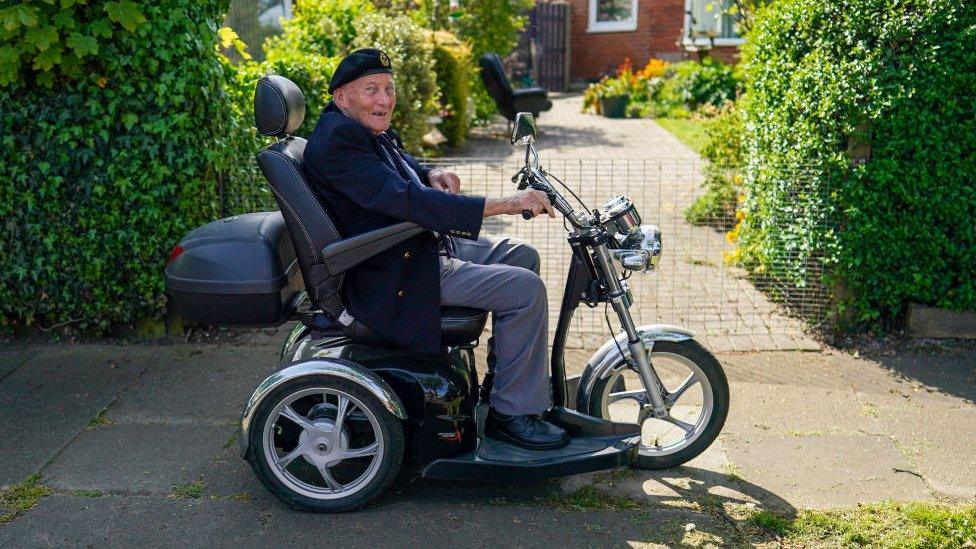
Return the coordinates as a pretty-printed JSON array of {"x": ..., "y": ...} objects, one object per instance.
[{"x": 357, "y": 165}]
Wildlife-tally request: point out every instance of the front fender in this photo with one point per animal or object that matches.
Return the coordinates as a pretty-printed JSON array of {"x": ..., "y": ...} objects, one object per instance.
[
  {"x": 335, "y": 367},
  {"x": 600, "y": 364}
]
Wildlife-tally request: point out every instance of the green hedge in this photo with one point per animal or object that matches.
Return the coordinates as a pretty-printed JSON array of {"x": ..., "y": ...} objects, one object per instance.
[
  {"x": 453, "y": 64},
  {"x": 898, "y": 76},
  {"x": 109, "y": 153}
]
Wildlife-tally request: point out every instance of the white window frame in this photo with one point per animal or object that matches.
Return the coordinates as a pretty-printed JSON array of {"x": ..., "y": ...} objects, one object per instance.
[
  {"x": 628, "y": 25},
  {"x": 702, "y": 41}
]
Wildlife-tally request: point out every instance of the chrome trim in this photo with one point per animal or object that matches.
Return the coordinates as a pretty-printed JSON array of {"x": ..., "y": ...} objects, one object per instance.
[
  {"x": 600, "y": 364},
  {"x": 336, "y": 367},
  {"x": 641, "y": 251},
  {"x": 296, "y": 333}
]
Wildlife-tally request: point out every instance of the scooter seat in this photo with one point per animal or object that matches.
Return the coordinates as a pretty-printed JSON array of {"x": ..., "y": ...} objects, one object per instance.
[{"x": 460, "y": 325}]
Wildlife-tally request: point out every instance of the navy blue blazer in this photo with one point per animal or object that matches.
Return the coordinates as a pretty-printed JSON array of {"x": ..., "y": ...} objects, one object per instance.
[{"x": 396, "y": 294}]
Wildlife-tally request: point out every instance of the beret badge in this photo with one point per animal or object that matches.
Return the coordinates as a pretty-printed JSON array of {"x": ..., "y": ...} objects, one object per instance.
[{"x": 384, "y": 59}]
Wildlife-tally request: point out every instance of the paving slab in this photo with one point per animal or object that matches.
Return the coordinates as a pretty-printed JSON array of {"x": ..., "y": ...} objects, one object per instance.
[
  {"x": 136, "y": 458},
  {"x": 797, "y": 411},
  {"x": 826, "y": 471},
  {"x": 34, "y": 428},
  {"x": 138, "y": 521},
  {"x": 12, "y": 358},
  {"x": 196, "y": 384},
  {"x": 80, "y": 369},
  {"x": 939, "y": 443}
]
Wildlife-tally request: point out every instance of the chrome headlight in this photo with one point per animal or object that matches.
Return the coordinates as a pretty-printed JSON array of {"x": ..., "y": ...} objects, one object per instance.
[
  {"x": 619, "y": 216},
  {"x": 640, "y": 251}
]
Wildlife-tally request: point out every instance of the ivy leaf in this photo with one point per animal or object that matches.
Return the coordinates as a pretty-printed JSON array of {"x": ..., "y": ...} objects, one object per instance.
[
  {"x": 129, "y": 119},
  {"x": 9, "y": 65},
  {"x": 82, "y": 45},
  {"x": 27, "y": 15},
  {"x": 46, "y": 60},
  {"x": 125, "y": 13},
  {"x": 42, "y": 37},
  {"x": 101, "y": 28},
  {"x": 64, "y": 19}
]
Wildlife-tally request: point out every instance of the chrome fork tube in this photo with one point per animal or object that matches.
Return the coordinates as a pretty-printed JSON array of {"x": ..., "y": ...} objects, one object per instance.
[{"x": 652, "y": 383}]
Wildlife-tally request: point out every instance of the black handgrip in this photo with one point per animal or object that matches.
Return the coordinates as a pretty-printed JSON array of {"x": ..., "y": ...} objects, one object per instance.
[{"x": 527, "y": 214}]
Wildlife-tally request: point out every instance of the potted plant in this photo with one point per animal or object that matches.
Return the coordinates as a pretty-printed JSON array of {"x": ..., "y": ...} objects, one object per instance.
[{"x": 614, "y": 96}]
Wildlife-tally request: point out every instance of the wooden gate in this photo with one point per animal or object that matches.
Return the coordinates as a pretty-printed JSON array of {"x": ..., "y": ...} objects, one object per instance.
[{"x": 549, "y": 38}]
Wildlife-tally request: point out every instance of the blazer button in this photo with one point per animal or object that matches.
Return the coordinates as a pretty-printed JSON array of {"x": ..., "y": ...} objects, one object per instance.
[
  {"x": 407, "y": 254},
  {"x": 401, "y": 293}
]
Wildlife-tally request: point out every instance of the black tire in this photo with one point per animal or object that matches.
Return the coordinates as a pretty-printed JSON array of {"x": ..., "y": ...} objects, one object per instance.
[
  {"x": 391, "y": 457},
  {"x": 715, "y": 376}
]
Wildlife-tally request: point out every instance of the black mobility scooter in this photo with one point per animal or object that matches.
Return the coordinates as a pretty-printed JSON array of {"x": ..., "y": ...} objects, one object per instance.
[{"x": 328, "y": 428}]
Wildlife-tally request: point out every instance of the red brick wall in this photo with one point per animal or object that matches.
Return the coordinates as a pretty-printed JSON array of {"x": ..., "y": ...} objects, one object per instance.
[{"x": 660, "y": 24}]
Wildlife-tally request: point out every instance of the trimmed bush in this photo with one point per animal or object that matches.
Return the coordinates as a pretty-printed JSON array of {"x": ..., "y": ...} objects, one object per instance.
[
  {"x": 452, "y": 59},
  {"x": 689, "y": 85},
  {"x": 892, "y": 78},
  {"x": 107, "y": 156}
]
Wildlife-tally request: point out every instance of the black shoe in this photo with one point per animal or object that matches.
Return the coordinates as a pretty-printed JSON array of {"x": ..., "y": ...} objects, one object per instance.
[{"x": 530, "y": 432}]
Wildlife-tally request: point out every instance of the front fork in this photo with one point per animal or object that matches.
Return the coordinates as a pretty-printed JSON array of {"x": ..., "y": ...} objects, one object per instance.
[{"x": 618, "y": 299}]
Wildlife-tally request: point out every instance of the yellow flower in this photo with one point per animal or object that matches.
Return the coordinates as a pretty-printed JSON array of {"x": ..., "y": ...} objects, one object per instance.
[{"x": 101, "y": 81}]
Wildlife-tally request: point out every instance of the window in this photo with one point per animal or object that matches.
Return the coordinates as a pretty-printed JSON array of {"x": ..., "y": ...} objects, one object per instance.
[
  {"x": 612, "y": 16},
  {"x": 706, "y": 20}
]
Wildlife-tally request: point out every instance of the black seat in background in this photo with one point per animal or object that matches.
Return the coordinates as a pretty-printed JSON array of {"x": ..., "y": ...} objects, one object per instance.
[{"x": 510, "y": 101}]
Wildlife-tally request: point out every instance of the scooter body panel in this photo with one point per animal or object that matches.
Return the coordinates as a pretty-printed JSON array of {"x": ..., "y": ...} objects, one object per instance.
[{"x": 438, "y": 391}]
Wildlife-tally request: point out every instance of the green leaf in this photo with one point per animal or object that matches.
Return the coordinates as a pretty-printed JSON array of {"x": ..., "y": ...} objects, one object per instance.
[
  {"x": 129, "y": 119},
  {"x": 42, "y": 37},
  {"x": 46, "y": 60},
  {"x": 125, "y": 13},
  {"x": 101, "y": 28},
  {"x": 27, "y": 15},
  {"x": 82, "y": 45}
]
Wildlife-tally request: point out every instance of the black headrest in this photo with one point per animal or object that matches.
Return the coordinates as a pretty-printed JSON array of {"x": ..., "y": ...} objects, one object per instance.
[
  {"x": 492, "y": 67},
  {"x": 279, "y": 106}
]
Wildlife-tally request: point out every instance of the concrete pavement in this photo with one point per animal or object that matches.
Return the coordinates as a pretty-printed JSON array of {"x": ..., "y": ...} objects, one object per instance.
[{"x": 805, "y": 430}]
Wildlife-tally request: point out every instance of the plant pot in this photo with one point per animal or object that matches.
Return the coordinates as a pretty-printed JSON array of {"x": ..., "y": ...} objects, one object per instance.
[{"x": 614, "y": 107}]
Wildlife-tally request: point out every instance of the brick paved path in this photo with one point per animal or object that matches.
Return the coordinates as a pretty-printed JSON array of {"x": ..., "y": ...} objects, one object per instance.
[{"x": 599, "y": 158}]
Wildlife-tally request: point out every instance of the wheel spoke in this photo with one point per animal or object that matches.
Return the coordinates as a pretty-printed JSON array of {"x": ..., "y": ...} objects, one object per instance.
[
  {"x": 685, "y": 385},
  {"x": 341, "y": 414},
  {"x": 285, "y": 460},
  {"x": 298, "y": 419},
  {"x": 330, "y": 481},
  {"x": 640, "y": 395},
  {"x": 687, "y": 427},
  {"x": 370, "y": 450}
]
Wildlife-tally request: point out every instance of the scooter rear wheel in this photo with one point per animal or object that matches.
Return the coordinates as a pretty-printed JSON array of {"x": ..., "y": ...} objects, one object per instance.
[
  {"x": 325, "y": 444},
  {"x": 696, "y": 393}
]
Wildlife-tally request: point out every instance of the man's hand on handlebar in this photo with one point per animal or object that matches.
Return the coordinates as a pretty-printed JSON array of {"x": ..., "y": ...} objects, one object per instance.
[{"x": 529, "y": 203}]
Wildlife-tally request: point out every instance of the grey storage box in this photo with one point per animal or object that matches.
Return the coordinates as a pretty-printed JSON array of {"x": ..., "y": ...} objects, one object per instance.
[{"x": 237, "y": 271}]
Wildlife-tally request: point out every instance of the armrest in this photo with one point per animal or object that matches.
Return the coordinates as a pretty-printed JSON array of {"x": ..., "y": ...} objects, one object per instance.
[{"x": 347, "y": 253}]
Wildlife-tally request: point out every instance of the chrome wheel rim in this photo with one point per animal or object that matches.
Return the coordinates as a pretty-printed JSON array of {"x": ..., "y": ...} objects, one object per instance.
[
  {"x": 688, "y": 397},
  {"x": 308, "y": 438}
]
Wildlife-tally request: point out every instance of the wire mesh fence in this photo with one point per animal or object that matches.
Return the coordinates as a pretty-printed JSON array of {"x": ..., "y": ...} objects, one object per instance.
[{"x": 696, "y": 286}]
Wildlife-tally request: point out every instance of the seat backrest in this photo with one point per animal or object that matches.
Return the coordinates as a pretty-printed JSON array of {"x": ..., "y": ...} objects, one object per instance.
[
  {"x": 496, "y": 82},
  {"x": 279, "y": 109}
]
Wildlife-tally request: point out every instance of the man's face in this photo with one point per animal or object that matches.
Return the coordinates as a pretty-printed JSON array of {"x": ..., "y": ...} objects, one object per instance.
[{"x": 369, "y": 100}]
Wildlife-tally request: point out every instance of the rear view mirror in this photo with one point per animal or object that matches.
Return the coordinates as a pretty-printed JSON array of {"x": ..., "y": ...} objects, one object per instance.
[{"x": 524, "y": 132}]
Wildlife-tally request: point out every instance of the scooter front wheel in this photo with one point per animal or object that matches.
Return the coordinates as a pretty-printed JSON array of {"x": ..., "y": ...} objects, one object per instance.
[
  {"x": 325, "y": 444},
  {"x": 696, "y": 393}
]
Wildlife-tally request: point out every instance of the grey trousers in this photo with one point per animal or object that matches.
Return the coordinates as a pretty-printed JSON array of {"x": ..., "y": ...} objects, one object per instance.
[{"x": 501, "y": 275}]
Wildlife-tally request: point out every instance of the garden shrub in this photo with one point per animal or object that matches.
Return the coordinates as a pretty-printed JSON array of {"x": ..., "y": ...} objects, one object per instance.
[
  {"x": 453, "y": 64},
  {"x": 723, "y": 180},
  {"x": 689, "y": 85},
  {"x": 898, "y": 76},
  {"x": 112, "y": 136}
]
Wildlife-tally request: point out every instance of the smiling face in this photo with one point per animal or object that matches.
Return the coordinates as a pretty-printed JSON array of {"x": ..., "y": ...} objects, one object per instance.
[{"x": 368, "y": 100}]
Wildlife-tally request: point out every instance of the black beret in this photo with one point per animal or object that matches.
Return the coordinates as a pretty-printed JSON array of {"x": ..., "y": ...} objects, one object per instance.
[{"x": 358, "y": 64}]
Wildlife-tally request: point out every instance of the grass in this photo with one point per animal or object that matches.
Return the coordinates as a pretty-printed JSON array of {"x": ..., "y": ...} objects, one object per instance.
[
  {"x": 690, "y": 131},
  {"x": 21, "y": 497},
  {"x": 101, "y": 420},
  {"x": 190, "y": 490},
  {"x": 888, "y": 524}
]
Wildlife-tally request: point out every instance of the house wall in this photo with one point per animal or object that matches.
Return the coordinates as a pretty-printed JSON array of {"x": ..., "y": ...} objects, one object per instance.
[{"x": 660, "y": 27}]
